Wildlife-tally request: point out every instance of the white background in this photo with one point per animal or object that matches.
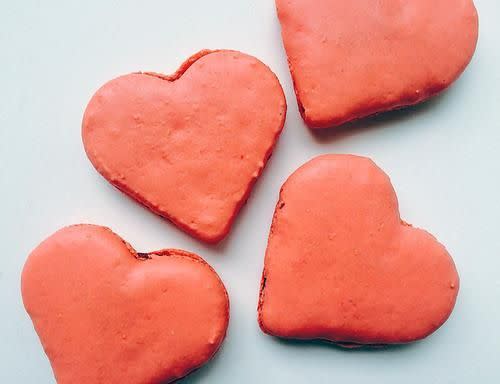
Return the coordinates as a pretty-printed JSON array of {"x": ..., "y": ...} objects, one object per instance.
[{"x": 442, "y": 156}]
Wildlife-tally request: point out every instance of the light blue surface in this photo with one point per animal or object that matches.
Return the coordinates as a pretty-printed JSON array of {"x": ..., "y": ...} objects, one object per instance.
[{"x": 443, "y": 158}]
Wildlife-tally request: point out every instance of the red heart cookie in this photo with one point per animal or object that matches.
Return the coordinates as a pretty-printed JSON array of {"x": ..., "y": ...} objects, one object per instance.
[
  {"x": 351, "y": 59},
  {"x": 106, "y": 314},
  {"x": 188, "y": 146},
  {"x": 342, "y": 266}
]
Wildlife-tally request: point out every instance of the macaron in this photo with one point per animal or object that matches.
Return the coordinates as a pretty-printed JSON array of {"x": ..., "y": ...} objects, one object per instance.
[
  {"x": 341, "y": 265},
  {"x": 352, "y": 59},
  {"x": 191, "y": 145},
  {"x": 108, "y": 314}
]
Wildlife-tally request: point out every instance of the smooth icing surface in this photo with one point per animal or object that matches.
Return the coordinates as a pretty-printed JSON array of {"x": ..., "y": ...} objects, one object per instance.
[
  {"x": 188, "y": 146},
  {"x": 342, "y": 266},
  {"x": 351, "y": 59},
  {"x": 105, "y": 314}
]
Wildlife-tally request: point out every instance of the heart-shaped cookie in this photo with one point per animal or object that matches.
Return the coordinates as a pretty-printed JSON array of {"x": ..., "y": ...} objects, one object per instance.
[
  {"x": 188, "y": 146},
  {"x": 342, "y": 266},
  {"x": 351, "y": 59},
  {"x": 106, "y": 314}
]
